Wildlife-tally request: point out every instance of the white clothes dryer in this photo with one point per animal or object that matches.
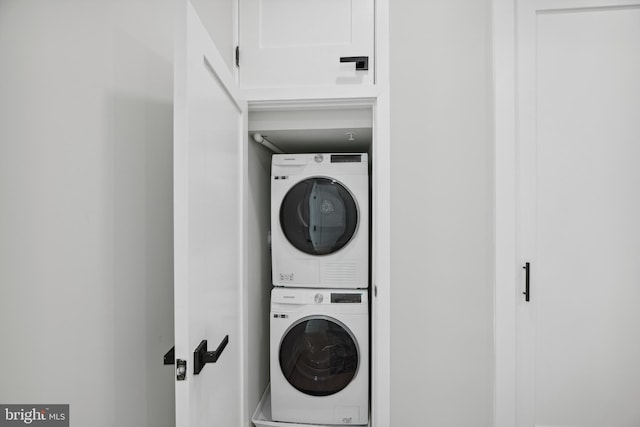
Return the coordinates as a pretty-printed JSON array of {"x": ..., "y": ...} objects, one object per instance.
[
  {"x": 320, "y": 356},
  {"x": 320, "y": 220}
]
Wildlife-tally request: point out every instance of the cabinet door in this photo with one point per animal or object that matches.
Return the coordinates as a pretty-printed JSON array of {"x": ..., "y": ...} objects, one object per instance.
[
  {"x": 578, "y": 331},
  {"x": 300, "y": 42},
  {"x": 209, "y": 119}
]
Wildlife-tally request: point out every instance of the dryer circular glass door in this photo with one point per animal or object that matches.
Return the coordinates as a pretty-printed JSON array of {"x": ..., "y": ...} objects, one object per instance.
[
  {"x": 319, "y": 216},
  {"x": 319, "y": 356}
]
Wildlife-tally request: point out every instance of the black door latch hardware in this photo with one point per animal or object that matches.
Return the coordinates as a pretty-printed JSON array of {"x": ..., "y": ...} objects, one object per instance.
[
  {"x": 201, "y": 356},
  {"x": 181, "y": 370},
  {"x": 527, "y": 294},
  {"x": 170, "y": 357},
  {"x": 362, "y": 62}
]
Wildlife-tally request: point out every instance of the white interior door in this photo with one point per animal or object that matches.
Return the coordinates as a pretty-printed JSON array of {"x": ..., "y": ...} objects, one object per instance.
[
  {"x": 208, "y": 135},
  {"x": 578, "y": 138},
  {"x": 287, "y": 43}
]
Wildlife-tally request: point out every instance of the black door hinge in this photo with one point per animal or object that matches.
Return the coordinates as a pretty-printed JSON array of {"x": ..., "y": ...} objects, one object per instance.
[{"x": 237, "y": 56}]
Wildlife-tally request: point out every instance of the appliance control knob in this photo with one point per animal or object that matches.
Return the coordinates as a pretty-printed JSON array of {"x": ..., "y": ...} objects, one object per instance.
[
  {"x": 318, "y": 298},
  {"x": 318, "y": 158}
]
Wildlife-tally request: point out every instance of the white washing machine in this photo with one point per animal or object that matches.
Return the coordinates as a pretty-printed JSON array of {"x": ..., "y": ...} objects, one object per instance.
[
  {"x": 320, "y": 356},
  {"x": 320, "y": 220}
]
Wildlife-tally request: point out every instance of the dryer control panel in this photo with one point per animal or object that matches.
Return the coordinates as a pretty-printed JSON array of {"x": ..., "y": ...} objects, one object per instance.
[{"x": 297, "y": 296}]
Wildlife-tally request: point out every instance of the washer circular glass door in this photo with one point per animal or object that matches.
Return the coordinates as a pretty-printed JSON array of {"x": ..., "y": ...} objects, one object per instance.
[
  {"x": 319, "y": 216},
  {"x": 318, "y": 356}
]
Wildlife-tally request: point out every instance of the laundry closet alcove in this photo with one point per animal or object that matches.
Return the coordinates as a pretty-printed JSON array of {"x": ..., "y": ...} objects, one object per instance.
[{"x": 222, "y": 217}]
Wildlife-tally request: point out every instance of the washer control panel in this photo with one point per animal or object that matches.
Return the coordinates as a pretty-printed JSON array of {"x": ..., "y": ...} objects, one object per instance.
[
  {"x": 342, "y": 298},
  {"x": 297, "y": 296}
]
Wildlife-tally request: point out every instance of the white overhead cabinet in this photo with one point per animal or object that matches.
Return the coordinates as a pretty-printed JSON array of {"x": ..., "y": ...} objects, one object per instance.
[
  {"x": 285, "y": 43},
  {"x": 222, "y": 195}
]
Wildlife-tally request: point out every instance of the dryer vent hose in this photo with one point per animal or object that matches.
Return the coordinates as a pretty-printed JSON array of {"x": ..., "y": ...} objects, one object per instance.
[{"x": 257, "y": 137}]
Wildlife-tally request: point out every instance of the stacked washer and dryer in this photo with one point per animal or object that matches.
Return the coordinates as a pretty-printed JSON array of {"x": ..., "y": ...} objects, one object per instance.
[{"x": 319, "y": 321}]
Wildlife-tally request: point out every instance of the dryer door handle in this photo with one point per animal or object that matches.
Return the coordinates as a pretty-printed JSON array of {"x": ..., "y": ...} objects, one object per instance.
[{"x": 201, "y": 356}]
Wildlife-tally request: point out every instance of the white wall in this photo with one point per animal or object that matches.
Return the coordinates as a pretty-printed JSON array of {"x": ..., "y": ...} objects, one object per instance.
[
  {"x": 86, "y": 218},
  {"x": 442, "y": 201},
  {"x": 258, "y": 290},
  {"x": 85, "y": 224}
]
